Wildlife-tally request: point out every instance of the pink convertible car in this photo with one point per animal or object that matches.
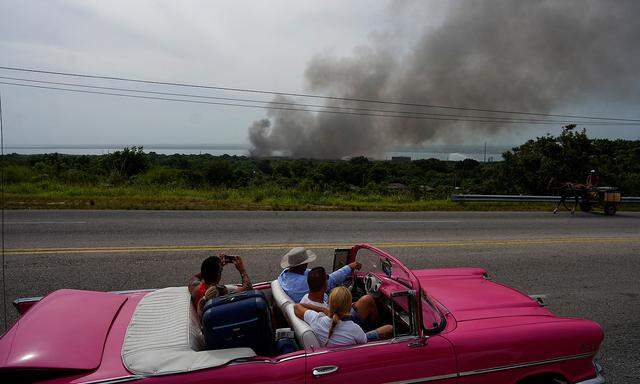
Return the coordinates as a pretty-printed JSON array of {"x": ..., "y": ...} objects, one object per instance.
[{"x": 451, "y": 326}]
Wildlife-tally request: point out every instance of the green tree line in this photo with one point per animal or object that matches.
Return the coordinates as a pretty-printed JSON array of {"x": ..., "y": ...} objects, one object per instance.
[{"x": 526, "y": 169}]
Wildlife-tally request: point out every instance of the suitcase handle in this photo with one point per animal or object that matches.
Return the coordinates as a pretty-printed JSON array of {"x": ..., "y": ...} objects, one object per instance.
[{"x": 231, "y": 298}]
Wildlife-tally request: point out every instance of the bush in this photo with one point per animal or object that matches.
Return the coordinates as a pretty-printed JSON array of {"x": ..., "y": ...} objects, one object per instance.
[
  {"x": 467, "y": 164},
  {"x": 219, "y": 172},
  {"x": 17, "y": 174},
  {"x": 126, "y": 163},
  {"x": 161, "y": 176}
]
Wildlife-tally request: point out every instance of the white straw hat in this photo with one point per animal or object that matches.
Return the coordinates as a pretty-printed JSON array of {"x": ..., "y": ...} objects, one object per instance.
[{"x": 297, "y": 256}]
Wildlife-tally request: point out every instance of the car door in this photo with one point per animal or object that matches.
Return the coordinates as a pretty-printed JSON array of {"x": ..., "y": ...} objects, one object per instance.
[
  {"x": 406, "y": 357},
  {"x": 285, "y": 369},
  {"x": 399, "y": 360}
]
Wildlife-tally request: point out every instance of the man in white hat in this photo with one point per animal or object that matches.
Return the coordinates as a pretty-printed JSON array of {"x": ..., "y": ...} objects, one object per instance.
[
  {"x": 294, "y": 282},
  {"x": 293, "y": 278}
]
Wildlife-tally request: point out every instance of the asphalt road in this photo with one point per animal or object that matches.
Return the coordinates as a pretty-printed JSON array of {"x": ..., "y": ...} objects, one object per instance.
[{"x": 587, "y": 264}]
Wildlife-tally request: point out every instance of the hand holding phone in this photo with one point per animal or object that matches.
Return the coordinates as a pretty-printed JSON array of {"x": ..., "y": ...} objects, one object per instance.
[{"x": 228, "y": 259}]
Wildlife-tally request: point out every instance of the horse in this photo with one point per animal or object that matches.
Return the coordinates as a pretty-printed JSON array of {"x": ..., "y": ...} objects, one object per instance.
[{"x": 567, "y": 190}]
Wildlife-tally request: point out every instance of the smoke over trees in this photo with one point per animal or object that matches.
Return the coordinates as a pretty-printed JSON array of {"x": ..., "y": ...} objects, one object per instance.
[{"x": 514, "y": 55}]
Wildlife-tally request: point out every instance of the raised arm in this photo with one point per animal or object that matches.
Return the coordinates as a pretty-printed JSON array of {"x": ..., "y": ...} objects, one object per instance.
[
  {"x": 337, "y": 277},
  {"x": 315, "y": 308},
  {"x": 246, "y": 281},
  {"x": 299, "y": 310}
]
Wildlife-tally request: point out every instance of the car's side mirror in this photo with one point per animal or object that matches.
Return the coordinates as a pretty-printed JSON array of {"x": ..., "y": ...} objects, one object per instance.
[
  {"x": 403, "y": 313},
  {"x": 385, "y": 264},
  {"x": 340, "y": 257}
]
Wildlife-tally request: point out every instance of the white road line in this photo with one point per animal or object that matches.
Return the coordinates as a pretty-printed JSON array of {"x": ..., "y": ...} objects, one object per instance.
[
  {"x": 45, "y": 222},
  {"x": 417, "y": 221}
]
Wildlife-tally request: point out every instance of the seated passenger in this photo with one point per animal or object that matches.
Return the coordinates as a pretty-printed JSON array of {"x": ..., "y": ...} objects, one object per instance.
[
  {"x": 317, "y": 297},
  {"x": 363, "y": 312},
  {"x": 293, "y": 278},
  {"x": 337, "y": 328},
  {"x": 206, "y": 284}
]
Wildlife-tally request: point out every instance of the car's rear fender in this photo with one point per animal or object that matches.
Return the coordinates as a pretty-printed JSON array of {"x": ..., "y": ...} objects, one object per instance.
[{"x": 24, "y": 304}]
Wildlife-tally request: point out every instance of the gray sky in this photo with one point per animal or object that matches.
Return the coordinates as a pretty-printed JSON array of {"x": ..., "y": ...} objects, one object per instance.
[{"x": 252, "y": 44}]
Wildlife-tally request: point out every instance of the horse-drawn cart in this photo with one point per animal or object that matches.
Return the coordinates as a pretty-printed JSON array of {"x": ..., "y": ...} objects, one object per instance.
[{"x": 605, "y": 197}]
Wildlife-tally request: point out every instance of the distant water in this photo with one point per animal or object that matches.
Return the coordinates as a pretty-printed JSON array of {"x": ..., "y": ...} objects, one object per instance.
[
  {"x": 441, "y": 152},
  {"x": 96, "y": 149}
]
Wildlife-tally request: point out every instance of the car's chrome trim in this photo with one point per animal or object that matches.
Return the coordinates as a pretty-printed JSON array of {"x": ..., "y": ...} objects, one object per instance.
[
  {"x": 27, "y": 299},
  {"x": 356, "y": 346},
  {"x": 113, "y": 380},
  {"x": 597, "y": 380},
  {"x": 130, "y": 291},
  {"x": 334, "y": 349},
  {"x": 524, "y": 365},
  {"x": 425, "y": 379},
  {"x": 320, "y": 352},
  {"x": 265, "y": 360},
  {"x": 300, "y": 356}
]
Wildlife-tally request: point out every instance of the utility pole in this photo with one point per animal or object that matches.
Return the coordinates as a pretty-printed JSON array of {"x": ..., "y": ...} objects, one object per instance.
[
  {"x": 2, "y": 203},
  {"x": 485, "y": 151}
]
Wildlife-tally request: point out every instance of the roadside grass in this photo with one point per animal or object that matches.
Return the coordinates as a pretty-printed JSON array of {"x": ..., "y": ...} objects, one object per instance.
[{"x": 61, "y": 196}]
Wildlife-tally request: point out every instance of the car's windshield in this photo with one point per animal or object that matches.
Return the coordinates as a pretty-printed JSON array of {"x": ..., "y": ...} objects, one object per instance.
[
  {"x": 432, "y": 319},
  {"x": 373, "y": 262}
]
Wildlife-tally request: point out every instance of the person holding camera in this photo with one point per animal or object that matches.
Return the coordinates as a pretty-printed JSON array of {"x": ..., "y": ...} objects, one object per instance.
[{"x": 206, "y": 284}]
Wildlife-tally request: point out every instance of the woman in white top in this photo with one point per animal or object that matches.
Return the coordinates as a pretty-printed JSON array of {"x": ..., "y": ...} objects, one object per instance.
[{"x": 337, "y": 329}]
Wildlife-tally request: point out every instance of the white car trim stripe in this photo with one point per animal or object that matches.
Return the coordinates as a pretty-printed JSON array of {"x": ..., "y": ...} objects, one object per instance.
[
  {"x": 524, "y": 365},
  {"x": 113, "y": 380},
  {"x": 425, "y": 379},
  {"x": 411, "y": 381},
  {"x": 495, "y": 369}
]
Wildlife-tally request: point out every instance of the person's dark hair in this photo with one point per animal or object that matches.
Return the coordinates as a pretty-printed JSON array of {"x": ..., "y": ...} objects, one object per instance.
[
  {"x": 210, "y": 270},
  {"x": 316, "y": 278},
  {"x": 299, "y": 269}
]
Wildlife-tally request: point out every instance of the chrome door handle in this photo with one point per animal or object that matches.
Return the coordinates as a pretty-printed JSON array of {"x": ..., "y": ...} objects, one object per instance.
[{"x": 324, "y": 370}]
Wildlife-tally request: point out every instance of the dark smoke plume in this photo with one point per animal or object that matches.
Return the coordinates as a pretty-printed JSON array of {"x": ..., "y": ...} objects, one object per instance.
[{"x": 513, "y": 55}]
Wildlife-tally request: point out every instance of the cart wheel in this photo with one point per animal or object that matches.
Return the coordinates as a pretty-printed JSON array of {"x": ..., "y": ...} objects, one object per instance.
[
  {"x": 609, "y": 209},
  {"x": 585, "y": 206}
]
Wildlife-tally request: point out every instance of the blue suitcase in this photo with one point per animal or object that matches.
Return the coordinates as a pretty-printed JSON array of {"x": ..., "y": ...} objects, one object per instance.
[{"x": 238, "y": 320}]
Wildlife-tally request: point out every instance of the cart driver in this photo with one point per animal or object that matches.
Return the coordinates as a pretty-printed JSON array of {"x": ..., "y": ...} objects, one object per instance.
[{"x": 592, "y": 179}]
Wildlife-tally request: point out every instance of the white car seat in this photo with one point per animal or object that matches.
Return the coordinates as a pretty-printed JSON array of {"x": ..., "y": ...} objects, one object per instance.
[
  {"x": 163, "y": 337},
  {"x": 304, "y": 333}
]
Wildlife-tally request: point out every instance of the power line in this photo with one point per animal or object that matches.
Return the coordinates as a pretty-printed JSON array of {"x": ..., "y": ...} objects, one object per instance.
[
  {"x": 249, "y": 90},
  {"x": 296, "y": 109},
  {"x": 492, "y": 118},
  {"x": 508, "y": 119}
]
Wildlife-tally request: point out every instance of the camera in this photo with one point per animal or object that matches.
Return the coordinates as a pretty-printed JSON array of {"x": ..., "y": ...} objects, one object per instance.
[{"x": 228, "y": 259}]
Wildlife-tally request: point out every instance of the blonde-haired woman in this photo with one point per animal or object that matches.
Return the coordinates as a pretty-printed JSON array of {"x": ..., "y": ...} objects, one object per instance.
[{"x": 335, "y": 328}]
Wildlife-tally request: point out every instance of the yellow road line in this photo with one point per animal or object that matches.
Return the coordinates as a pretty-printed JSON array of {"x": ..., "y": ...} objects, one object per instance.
[{"x": 418, "y": 244}]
